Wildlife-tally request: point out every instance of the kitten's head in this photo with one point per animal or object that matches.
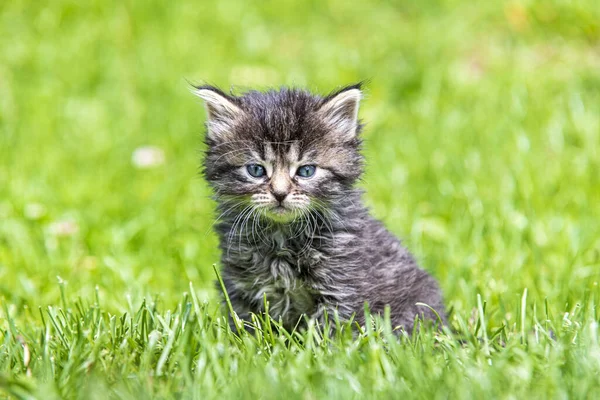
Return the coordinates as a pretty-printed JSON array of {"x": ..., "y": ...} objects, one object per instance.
[{"x": 282, "y": 152}]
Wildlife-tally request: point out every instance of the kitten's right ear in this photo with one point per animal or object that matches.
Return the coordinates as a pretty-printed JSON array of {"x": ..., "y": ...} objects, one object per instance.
[{"x": 221, "y": 110}]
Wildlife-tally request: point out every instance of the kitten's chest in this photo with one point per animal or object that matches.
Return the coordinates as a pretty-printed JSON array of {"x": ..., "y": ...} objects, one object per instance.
[{"x": 282, "y": 274}]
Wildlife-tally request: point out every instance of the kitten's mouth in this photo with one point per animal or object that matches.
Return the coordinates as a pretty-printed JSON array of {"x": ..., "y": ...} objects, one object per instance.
[
  {"x": 280, "y": 214},
  {"x": 280, "y": 210}
]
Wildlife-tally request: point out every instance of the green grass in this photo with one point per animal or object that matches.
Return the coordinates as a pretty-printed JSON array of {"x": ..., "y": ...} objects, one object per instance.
[{"x": 483, "y": 149}]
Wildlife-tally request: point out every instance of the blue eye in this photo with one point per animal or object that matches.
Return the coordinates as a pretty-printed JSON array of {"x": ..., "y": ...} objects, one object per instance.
[
  {"x": 306, "y": 171},
  {"x": 255, "y": 170}
]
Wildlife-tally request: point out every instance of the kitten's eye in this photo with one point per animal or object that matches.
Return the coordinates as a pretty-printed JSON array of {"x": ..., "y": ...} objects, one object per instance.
[
  {"x": 306, "y": 171},
  {"x": 255, "y": 170}
]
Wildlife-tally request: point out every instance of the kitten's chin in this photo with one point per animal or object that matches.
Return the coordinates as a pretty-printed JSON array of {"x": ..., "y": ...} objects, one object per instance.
[{"x": 280, "y": 214}]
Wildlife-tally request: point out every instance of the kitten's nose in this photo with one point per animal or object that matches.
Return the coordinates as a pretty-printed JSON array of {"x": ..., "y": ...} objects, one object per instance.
[
  {"x": 279, "y": 196},
  {"x": 280, "y": 184}
]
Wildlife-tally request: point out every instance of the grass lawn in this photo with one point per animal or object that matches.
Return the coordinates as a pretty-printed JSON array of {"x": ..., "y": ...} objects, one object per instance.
[{"x": 483, "y": 149}]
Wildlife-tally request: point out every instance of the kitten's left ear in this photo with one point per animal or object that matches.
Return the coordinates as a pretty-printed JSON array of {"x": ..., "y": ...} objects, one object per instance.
[{"x": 340, "y": 110}]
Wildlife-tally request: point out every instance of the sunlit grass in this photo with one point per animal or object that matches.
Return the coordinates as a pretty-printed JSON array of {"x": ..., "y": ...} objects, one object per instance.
[{"x": 79, "y": 350}]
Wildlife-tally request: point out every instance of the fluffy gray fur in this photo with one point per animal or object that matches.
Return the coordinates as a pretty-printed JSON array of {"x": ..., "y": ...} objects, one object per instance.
[{"x": 306, "y": 243}]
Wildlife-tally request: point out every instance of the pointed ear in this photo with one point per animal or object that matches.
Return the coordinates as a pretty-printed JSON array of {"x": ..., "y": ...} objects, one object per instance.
[
  {"x": 340, "y": 110},
  {"x": 221, "y": 110}
]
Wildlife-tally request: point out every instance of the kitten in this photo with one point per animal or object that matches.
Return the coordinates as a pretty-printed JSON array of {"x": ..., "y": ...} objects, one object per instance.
[{"x": 292, "y": 227}]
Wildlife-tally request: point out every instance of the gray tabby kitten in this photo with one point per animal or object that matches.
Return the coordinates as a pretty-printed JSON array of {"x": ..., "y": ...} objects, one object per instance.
[{"x": 292, "y": 227}]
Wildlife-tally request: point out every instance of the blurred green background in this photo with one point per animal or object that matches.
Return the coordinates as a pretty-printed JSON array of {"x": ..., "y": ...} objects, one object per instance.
[{"x": 482, "y": 138}]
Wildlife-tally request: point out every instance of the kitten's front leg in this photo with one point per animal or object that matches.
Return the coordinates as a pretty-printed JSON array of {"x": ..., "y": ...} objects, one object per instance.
[
  {"x": 236, "y": 298},
  {"x": 327, "y": 318}
]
